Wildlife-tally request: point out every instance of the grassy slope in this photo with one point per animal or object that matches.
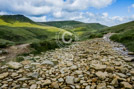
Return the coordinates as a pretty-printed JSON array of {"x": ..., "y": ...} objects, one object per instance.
[
  {"x": 125, "y": 34},
  {"x": 19, "y": 29},
  {"x": 120, "y": 28},
  {"x": 62, "y": 24},
  {"x": 83, "y": 30}
]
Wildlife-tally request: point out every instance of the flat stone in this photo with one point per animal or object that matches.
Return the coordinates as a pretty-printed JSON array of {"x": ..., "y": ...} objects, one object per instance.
[
  {"x": 121, "y": 75},
  {"x": 102, "y": 75},
  {"x": 33, "y": 75},
  {"x": 114, "y": 81},
  {"x": 128, "y": 59},
  {"x": 74, "y": 67},
  {"x": 132, "y": 72},
  {"x": 14, "y": 74},
  {"x": 48, "y": 62},
  {"x": 61, "y": 80},
  {"x": 78, "y": 72},
  {"x": 3, "y": 75},
  {"x": 47, "y": 82},
  {"x": 76, "y": 80},
  {"x": 87, "y": 87},
  {"x": 23, "y": 79},
  {"x": 70, "y": 80},
  {"x": 101, "y": 86},
  {"x": 98, "y": 66},
  {"x": 110, "y": 69},
  {"x": 33, "y": 86},
  {"x": 131, "y": 53},
  {"x": 14, "y": 65},
  {"x": 126, "y": 85},
  {"x": 55, "y": 85}
]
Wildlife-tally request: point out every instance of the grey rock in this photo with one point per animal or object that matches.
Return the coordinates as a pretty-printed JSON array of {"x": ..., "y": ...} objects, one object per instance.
[
  {"x": 14, "y": 65},
  {"x": 70, "y": 80},
  {"x": 102, "y": 75},
  {"x": 3, "y": 75},
  {"x": 61, "y": 80},
  {"x": 47, "y": 82},
  {"x": 48, "y": 62},
  {"x": 33, "y": 86}
]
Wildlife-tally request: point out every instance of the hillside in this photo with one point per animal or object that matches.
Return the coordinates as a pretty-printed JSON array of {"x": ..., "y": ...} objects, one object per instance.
[
  {"x": 16, "y": 29},
  {"x": 125, "y": 34},
  {"x": 74, "y": 24},
  {"x": 83, "y": 30},
  {"x": 14, "y": 18},
  {"x": 61, "y": 24},
  {"x": 120, "y": 28}
]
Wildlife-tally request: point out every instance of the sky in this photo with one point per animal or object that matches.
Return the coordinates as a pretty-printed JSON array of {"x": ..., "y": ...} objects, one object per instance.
[{"x": 106, "y": 12}]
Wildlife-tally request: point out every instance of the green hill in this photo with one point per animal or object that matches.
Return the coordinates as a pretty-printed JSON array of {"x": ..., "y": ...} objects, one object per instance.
[
  {"x": 62, "y": 24},
  {"x": 16, "y": 29},
  {"x": 14, "y": 18},
  {"x": 120, "y": 28},
  {"x": 125, "y": 34},
  {"x": 74, "y": 24},
  {"x": 83, "y": 30}
]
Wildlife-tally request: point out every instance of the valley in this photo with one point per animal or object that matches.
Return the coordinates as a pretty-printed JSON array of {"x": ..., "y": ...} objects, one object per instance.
[{"x": 31, "y": 57}]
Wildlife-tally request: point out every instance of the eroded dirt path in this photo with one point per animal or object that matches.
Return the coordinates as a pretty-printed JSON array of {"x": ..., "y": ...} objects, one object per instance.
[
  {"x": 13, "y": 51},
  {"x": 92, "y": 64}
]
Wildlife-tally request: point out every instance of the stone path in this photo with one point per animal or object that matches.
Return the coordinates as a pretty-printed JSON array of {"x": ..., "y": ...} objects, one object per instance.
[{"x": 89, "y": 64}]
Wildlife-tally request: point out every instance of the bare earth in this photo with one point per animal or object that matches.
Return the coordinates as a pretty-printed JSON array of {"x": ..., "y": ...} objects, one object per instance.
[{"x": 13, "y": 51}]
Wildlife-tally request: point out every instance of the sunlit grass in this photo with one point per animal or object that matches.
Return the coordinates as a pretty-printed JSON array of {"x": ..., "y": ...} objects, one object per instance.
[{"x": 26, "y": 24}]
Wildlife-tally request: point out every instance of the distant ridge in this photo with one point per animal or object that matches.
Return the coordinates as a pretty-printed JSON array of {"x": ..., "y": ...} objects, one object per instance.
[
  {"x": 74, "y": 24},
  {"x": 13, "y": 18}
]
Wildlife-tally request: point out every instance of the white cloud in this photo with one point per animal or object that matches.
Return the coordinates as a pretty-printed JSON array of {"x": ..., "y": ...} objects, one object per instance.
[
  {"x": 89, "y": 17},
  {"x": 48, "y": 10},
  {"x": 105, "y": 14},
  {"x": 42, "y": 7},
  {"x": 3, "y": 13},
  {"x": 39, "y": 19},
  {"x": 57, "y": 14},
  {"x": 132, "y": 5}
]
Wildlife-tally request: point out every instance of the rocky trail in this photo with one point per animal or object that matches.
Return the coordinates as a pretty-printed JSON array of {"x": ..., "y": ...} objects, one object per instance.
[{"x": 91, "y": 64}]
